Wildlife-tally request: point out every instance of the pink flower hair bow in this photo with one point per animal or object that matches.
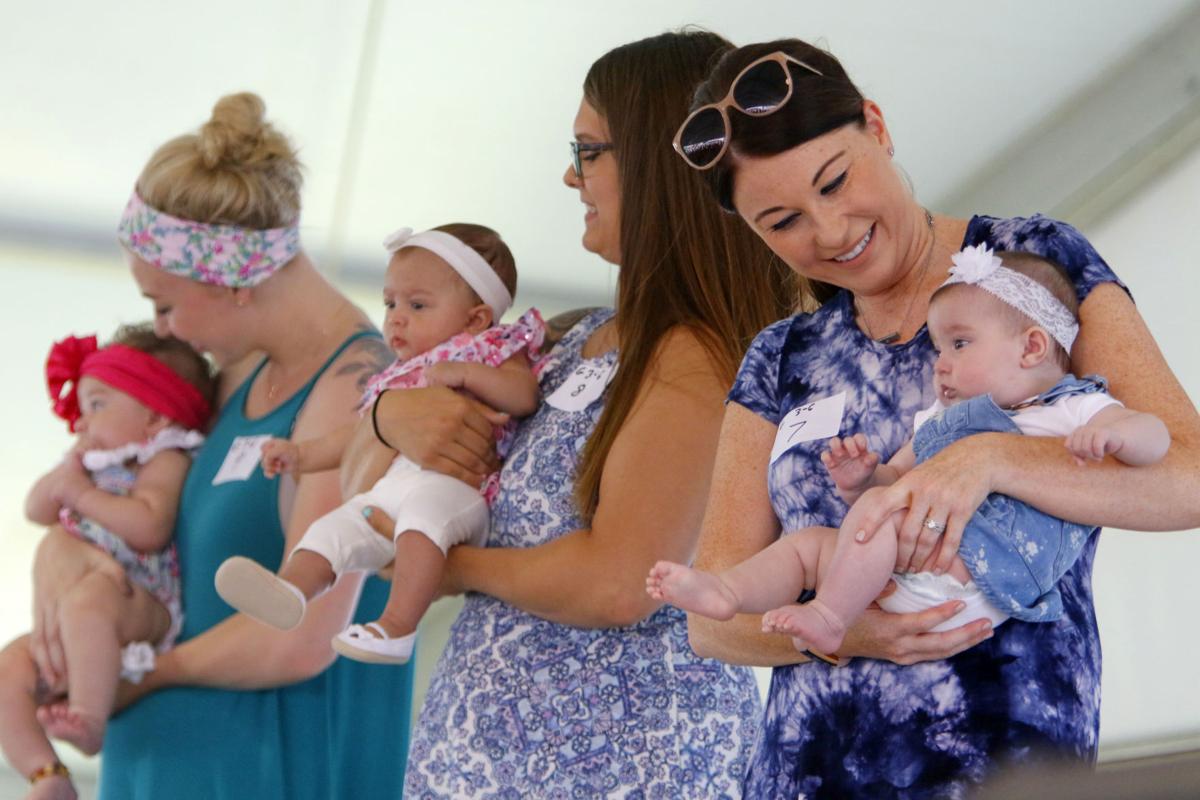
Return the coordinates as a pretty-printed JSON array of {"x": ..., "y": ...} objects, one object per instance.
[{"x": 63, "y": 368}]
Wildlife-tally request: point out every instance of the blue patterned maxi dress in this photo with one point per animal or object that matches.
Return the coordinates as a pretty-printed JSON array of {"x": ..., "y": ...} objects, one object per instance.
[
  {"x": 521, "y": 708},
  {"x": 876, "y": 729}
]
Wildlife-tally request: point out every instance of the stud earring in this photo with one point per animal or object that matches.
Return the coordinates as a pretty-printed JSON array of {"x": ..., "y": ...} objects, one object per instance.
[{"x": 891, "y": 150}]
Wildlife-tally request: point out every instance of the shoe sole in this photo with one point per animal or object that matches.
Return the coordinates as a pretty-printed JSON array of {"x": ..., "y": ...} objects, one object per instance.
[
  {"x": 344, "y": 648},
  {"x": 259, "y": 593}
]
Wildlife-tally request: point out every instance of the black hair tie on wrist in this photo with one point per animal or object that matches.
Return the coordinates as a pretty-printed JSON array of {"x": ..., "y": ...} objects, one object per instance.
[{"x": 375, "y": 422}]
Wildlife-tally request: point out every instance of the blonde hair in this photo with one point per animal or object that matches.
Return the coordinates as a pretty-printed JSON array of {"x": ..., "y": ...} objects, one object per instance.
[{"x": 237, "y": 169}]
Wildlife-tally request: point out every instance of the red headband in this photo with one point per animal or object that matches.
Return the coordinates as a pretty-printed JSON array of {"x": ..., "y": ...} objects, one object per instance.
[{"x": 140, "y": 375}]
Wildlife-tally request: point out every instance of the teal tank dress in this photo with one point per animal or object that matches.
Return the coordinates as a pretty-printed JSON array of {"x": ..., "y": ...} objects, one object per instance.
[{"x": 342, "y": 734}]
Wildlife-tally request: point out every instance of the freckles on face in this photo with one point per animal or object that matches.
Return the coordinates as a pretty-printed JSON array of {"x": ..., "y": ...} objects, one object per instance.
[{"x": 830, "y": 207}]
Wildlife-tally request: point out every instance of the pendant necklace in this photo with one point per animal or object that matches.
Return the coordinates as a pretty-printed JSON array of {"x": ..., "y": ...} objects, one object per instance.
[{"x": 894, "y": 336}]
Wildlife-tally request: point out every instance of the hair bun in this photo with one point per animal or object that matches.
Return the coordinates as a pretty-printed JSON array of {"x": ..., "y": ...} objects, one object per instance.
[{"x": 238, "y": 133}]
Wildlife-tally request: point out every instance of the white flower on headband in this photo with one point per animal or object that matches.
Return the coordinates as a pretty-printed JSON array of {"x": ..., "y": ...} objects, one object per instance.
[
  {"x": 974, "y": 264},
  {"x": 397, "y": 238},
  {"x": 981, "y": 268}
]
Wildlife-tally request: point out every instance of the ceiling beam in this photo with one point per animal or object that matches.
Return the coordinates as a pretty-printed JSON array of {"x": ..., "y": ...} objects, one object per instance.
[{"x": 1096, "y": 150}]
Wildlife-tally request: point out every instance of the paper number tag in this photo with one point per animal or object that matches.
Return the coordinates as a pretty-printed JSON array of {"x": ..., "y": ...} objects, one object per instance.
[
  {"x": 819, "y": 419},
  {"x": 582, "y": 387},
  {"x": 243, "y": 456}
]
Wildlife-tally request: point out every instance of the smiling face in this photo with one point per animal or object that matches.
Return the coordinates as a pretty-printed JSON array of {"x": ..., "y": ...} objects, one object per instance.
[
  {"x": 980, "y": 350},
  {"x": 833, "y": 208},
  {"x": 599, "y": 189},
  {"x": 427, "y": 303},
  {"x": 197, "y": 313},
  {"x": 110, "y": 418}
]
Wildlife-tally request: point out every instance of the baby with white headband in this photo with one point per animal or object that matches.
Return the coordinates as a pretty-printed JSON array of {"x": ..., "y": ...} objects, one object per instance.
[
  {"x": 445, "y": 291},
  {"x": 1003, "y": 330}
]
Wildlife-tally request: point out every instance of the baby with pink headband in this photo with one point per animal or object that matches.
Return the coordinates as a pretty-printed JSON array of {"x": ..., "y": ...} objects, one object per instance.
[
  {"x": 137, "y": 407},
  {"x": 445, "y": 291}
]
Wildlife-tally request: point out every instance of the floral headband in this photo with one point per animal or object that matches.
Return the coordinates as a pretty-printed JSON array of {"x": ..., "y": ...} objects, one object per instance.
[
  {"x": 139, "y": 375},
  {"x": 221, "y": 255},
  {"x": 471, "y": 266},
  {"x": 979, "y": 266}
]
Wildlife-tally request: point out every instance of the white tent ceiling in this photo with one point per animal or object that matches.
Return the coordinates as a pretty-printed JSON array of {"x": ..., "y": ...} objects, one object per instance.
[{"x": 422, "y": 113}]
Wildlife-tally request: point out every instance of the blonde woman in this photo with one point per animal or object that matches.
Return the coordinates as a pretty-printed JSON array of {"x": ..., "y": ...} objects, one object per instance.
[{"x": 238, "y": 709}]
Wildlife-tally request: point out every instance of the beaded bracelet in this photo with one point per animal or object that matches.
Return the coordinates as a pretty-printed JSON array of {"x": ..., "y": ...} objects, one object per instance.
[
  {"x": 49, "y": 771},
  {"x": 375, "y": 422}
]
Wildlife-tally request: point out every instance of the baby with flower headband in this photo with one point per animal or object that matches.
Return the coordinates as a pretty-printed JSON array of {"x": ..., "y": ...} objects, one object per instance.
[
  {"x": 137, "y": 407},
  {"x": 445, "y": 291},
  {"x": 1003, "y": 327}
]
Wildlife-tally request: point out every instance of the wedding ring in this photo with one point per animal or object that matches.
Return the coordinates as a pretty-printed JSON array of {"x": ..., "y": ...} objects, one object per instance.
[{"x": 935, "y": 526}]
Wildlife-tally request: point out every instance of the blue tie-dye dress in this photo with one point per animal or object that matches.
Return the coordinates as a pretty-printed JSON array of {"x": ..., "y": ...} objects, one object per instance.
[{"x": 877, "y": 729}]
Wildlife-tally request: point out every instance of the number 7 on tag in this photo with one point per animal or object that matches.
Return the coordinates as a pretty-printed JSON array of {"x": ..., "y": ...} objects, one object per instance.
[{"x": 817, "y": 419}]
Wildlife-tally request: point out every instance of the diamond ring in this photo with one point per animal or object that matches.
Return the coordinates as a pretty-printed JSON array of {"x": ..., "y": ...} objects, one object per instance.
[{"x": 935, "y": 526}]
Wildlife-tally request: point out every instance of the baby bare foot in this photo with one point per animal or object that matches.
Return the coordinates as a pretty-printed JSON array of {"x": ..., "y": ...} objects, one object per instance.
[
  {"x": 74, "y": 726},
  {"x": 812, "y": 624},
  {"x": 700, "y": 592},
  {"x": 52, "y": 787}
]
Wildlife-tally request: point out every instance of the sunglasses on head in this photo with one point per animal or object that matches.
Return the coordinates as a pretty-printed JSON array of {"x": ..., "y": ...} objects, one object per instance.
[
  {"x": 579, "y": 151},
  {"x": 762, "y": 88}
]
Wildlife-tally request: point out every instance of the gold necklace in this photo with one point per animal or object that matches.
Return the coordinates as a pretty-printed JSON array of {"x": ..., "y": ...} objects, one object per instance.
[{"x": 894, "y": 336}]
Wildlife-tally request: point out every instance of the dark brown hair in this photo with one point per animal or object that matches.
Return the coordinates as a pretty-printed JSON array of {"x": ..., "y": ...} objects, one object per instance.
[
  {"x": 819, "y": 104},
  {"x": 491, "y": 248},
  {"x": 175, "y": 353},
  {"x": 683, "y": 261}
]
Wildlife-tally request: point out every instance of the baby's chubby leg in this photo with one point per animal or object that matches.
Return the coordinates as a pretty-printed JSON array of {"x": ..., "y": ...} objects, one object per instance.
[
  {"x": 22, "y": 739},
  {"x": 414, "y": 586},
  {"x": 773, "y": 576},
  {"x": 97, "y": 618},
  {"x": 850, "y": 578},
  {"x": 341, "y": 541}
]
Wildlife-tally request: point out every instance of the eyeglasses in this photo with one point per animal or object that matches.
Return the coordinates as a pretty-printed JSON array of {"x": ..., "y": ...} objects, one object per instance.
[
  {"x": 762, "y": 88},
  {"x": 586, "y": 147}
]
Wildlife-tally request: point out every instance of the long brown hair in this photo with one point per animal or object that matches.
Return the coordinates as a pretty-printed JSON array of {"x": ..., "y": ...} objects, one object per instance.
[{"x": 683, "y": 261}]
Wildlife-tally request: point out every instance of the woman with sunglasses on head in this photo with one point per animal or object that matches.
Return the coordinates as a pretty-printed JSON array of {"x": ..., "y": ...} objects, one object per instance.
[
  {"x": 787, "y": 142},
  {"x": 561, "y": 676},
  {"x": 237, "y": 709}
]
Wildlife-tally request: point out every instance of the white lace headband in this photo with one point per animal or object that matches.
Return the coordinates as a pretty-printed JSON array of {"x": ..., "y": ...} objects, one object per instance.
[
  {"x": 478, "y": 273},
  {"x": 979, "y": 266}
]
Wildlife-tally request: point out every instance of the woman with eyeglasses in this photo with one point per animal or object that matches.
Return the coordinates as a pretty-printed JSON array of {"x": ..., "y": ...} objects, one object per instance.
[
  {"x": 561, "y": 677},
  {"x": 787, "y": 142}
]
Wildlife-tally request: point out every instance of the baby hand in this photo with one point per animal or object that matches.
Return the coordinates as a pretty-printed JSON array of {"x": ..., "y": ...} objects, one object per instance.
[
  {"x": 850, "y": 462},
  {"x": 450, "y": 374},
  {"x": 1093, "y": 442},
  {"x": 71, "y": 479},
  {"x": 280, "y": 456}
]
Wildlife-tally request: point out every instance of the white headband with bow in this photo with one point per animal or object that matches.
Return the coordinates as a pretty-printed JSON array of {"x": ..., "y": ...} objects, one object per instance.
[
  {"x": 478, "y": 273},
  {"x": 979, "y": 266}
]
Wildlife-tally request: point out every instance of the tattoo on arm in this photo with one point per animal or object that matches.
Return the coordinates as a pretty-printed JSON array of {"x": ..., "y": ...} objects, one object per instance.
[
  {"x": 366, "y": 357},
  {"x": 557, "y": 326}
]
